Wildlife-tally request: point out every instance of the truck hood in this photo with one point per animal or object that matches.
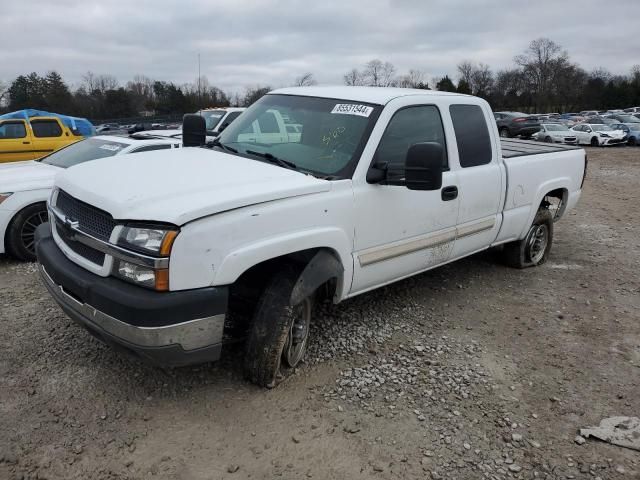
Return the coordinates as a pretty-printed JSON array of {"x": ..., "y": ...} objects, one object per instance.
[
  {"x": 178, "y": 186},
  {"x": 24, "y": 176}
]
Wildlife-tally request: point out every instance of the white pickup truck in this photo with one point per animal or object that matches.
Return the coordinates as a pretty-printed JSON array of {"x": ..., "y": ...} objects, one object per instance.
[{"x": 380, "y": 184}]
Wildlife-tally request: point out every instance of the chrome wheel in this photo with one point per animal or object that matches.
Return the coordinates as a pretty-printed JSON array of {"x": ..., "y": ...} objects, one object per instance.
[
  {"x": 296, "y": 343},
  {"x": 537, "y": 242},
  {"x": 28, "y": 230}
]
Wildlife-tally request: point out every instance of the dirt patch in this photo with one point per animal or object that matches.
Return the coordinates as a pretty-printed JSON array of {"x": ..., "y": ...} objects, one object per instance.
[{"x": 470, "y": 371}]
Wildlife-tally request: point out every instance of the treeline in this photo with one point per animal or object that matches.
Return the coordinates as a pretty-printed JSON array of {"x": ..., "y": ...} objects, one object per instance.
[{"x": 542, "y": 79}]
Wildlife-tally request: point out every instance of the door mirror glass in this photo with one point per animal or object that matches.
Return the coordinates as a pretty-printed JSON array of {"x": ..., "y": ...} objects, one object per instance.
[{"x": 423, "y": 167}]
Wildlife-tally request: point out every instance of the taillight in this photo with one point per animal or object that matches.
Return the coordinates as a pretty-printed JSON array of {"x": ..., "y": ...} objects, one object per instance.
[{"x": 521, "y": 119}]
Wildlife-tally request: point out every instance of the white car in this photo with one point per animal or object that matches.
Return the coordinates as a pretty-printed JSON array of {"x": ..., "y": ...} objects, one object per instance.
[
  {"x": 217, "y": 119},
  {"x": 25, "y": 186},
  {"x": 597, "y": 135},
  {"x": 555, "y": 133}
]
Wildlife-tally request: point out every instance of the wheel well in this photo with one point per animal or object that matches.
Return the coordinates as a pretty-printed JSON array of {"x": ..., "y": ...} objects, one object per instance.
[
  {"x": 555, "y": 201},
  {"x": 245, "y": 291}
]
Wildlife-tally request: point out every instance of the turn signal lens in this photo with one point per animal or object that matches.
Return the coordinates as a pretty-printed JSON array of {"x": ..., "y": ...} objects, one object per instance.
[
  {"x": 167, "y": 242},
  {"x": 162, "y": 280}
]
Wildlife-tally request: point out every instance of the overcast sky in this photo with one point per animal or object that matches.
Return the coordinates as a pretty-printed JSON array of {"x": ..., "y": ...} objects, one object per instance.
[{"x": 249, "y": 42}]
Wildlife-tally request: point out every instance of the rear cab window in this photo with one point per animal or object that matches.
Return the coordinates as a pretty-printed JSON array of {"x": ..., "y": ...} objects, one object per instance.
[
  {"x": 46, "y": 128},
  {"x": 472, "y": 135}
]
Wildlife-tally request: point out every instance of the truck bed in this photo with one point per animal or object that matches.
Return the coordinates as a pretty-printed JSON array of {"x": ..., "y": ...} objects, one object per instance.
[{"x": 518, "y": 148}]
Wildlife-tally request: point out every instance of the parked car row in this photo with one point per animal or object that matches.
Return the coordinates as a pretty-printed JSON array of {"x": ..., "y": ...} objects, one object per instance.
[{"x": 587, "y": 128}]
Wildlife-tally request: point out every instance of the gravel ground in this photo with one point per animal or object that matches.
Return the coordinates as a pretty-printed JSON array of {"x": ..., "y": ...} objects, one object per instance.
[{"x": 470, "y": 371}]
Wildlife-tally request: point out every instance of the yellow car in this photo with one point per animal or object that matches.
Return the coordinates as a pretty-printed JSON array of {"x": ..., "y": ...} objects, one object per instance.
[{"x": 33, "y": 137}]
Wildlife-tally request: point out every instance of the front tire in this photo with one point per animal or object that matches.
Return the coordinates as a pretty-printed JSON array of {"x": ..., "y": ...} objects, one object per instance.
[
  {"x": 279, "y": 331},
  {"x": 548, "y": 140},
  {"x": 21, "y": 232},
  {"x": 534, "y": 248},
  {"x": 595, "y": 142}
]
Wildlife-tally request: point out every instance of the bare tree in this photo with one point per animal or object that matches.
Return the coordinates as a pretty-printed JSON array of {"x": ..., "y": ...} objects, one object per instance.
[
  {"x": 481, "y": 80},
  {"x": 478, "y": 77},
  {"x": 413, "y": 79},
  {"x": 379, "y": 74},
  {"x": 353, "y": 77},
  {"x": 305, "y": 80},
  {"x": 99, "y": 83},
  {"x": 539, "y": 64},
  {"x": 4, "y": 93},
  {"x": 465, "y": 71}
]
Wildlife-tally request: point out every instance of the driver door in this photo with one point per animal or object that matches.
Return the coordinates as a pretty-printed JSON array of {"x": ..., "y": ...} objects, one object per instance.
[{"x": 399, "y": 232}]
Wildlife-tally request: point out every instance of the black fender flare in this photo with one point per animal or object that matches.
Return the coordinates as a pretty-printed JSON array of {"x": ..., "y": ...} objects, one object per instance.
[{"x": 323, "y": 267}]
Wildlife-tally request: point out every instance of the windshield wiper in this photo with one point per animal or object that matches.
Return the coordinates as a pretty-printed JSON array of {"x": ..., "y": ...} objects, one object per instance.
[
  {"x": 216, "y": 143},
  {"x": 273, "y": 159}
]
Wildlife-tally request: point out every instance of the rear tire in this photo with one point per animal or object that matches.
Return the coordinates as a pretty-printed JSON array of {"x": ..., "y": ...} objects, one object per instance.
[
  {"x": 21, "y": 232},
  {"x": 504, "y": 132},
  {"x": 279, "y": 331},
  {"x": 534, "y": 248}
]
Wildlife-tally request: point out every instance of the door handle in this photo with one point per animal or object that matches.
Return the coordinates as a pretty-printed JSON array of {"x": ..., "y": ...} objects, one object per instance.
[
  {"x": 26, "y": 143},
  {"x": 449, "y": 193}
]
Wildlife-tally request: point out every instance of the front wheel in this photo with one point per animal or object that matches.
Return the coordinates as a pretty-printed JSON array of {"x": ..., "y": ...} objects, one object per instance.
[
  {"x": 279, "y": 331},
  {"x": 21, "y": 232},
  {"x": 548, "y": 140},
  {"x": 534, "y": 248},
  {"x": 595, "y": 142}
]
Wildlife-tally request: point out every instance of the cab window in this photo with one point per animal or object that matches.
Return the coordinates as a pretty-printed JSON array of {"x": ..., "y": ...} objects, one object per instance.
[
  {"x": 472, "y": 135},
  {"x": 12, "y": 130},
  {"x": 410, "y": 125},
  {"x": 46, "y": 128},
  {"x": 268, "y": 123}
]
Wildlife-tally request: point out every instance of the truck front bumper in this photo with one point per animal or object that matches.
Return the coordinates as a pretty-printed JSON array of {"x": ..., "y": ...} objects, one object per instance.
[{"x": 164, "y": 328}]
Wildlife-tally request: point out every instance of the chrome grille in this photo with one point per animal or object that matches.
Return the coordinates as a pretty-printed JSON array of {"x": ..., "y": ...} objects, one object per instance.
[
  {"x": 85, "y": 251},
  {"x": 91, "y": 220}
]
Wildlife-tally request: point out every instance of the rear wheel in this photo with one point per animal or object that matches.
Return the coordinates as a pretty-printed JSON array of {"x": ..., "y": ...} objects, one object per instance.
[
  {"x": 279, "y": 331},
  {"x": 21, "y": 232},
  {"x": 504, "y": 132},
  {"x": 534, "y": 248}
]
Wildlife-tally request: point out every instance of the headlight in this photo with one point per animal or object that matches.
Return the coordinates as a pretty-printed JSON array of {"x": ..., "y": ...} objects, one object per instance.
[
  {"x": 604, "y": 135},
  {"x": 4, "y": 196},
  {"x": 143, "y": 276},
  {"x": 149, "y": 240}
]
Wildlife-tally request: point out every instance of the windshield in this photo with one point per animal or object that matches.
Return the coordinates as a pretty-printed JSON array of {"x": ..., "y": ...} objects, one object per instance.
[
  {"x": 555, "y": 128},
  {"x": 628, "y": 119},
  {"x": 212, "y": 117},
  {"x": 83, "y": 151},
  {"x": 318, "y": 135}
]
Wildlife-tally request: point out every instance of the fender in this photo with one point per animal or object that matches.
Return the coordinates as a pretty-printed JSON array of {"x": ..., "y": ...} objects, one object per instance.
[{"x": 323, "y": 267}]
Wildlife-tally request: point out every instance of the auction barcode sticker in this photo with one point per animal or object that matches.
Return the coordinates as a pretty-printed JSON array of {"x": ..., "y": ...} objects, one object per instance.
[{"x": 352, "y": 109}]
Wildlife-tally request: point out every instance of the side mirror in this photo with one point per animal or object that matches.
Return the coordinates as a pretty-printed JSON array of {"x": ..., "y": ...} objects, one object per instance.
[
  {"x": 423, "y": 166},
  {"x": 194, "y": 130}
]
